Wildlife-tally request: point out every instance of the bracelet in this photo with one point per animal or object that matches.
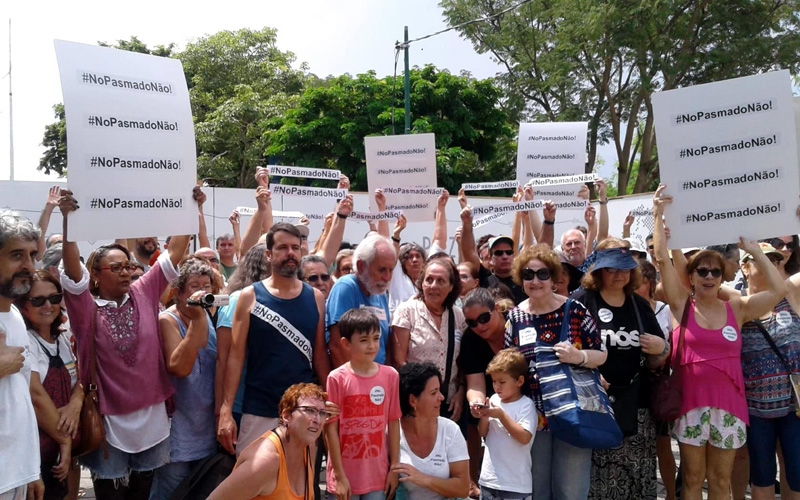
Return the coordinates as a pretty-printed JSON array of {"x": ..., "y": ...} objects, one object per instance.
[
  {"x": 666, "y": 348},
  {"x": 585, "y": 359},
  {"x": 550, "y": 222},
  {"x": 395, "y": 239},
  {"x": 602, "y": 202},
  {"x": 341, "y": 215}
]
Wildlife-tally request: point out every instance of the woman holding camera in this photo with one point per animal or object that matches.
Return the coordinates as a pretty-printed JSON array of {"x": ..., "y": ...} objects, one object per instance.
[{"x": 190, "y": 353}]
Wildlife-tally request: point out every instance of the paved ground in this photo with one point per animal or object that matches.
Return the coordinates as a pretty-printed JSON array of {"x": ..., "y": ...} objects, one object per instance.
[{"x": 86, "y": 482}]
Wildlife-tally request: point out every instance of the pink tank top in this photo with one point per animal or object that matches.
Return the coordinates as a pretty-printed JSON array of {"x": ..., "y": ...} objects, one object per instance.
[{"x": 712, "y": 367}]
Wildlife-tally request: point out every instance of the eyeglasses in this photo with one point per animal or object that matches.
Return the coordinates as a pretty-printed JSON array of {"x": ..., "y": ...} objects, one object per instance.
[
  {"x": 612, "y": 270},
  {"x": 779, "y": 244},
  {"x": 314, "y": 412},
  {"x": 347, "y": 270},
  {"x": 118, "y": 267},
  {"x": 465, "y": 277},
  {"x": 500, "y": 253},
  {"x": 650, "y": 247},
  {"x": 704, "y": 272},
  {"x": 214, "y": 260},
  {"x": 39, "y": 301},
  {"x": 482, "y": 319},
  {"x": 316, "y": 277},
  {"x": 528, "y": 274}
]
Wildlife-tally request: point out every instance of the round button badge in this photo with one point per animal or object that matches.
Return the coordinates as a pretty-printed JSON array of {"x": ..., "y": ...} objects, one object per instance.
[
  {"x": 377, "y": 394},
  {"x": 730, "y": 333},
  {"x": 605, "y": 315}
]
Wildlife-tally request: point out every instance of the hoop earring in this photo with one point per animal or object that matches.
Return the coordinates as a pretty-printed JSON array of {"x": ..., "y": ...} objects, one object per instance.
[{"x": 555, "y": 288}]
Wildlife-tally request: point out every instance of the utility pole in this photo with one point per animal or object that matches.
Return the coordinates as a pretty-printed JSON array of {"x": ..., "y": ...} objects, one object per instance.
[
  {"x": 407, "y": 83},
  {"x": 10, "y": 110}
]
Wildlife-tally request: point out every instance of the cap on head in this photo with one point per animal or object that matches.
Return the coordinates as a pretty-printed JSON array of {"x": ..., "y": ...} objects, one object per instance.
[
  {"x": 615, "y": 258},
  {"x": 766, "y": 248},
  {"x": 500, "y": 239}
]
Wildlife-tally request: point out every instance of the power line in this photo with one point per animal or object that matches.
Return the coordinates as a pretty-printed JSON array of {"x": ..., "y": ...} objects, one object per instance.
[{"x": 402, "y": 45}]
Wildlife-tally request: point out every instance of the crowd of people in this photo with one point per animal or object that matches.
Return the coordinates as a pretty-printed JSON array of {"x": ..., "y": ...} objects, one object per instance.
[{"x": 410, "y": 373}]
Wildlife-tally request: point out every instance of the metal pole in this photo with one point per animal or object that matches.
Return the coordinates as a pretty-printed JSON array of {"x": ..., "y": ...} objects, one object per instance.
[
  {"x": 10, "y": 110},
  {"x": 407, "y": 83}
]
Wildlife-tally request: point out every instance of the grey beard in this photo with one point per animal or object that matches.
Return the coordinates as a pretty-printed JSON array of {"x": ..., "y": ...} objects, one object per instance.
[{"x": 11, "y": 291}]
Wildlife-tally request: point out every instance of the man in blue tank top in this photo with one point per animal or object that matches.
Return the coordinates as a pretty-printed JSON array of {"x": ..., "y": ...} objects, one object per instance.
[
  {"x": 278, "y": 325},
  {"x": 374, "y": 259}
]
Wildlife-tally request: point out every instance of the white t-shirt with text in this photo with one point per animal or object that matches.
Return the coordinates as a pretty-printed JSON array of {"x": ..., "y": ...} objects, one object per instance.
[{"x": 450, "y": 447}]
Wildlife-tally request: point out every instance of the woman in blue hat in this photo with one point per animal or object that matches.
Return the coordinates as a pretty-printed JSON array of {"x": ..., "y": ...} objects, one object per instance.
[{"x": 635, "y": 344}]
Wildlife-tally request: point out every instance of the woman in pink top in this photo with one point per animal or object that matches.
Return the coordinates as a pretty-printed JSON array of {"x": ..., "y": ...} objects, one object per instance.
[
  {"x": 713, "y": 412},
  {"x": 132, "y": 378}
]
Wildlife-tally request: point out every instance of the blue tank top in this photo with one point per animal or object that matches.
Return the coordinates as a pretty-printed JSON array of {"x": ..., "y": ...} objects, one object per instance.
[
  {"x": 279, "y": 348},
  {"x": 193, "y": 433}
]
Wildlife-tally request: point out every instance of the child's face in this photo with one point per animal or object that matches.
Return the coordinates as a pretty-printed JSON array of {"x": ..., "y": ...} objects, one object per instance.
[
  {"x": 506, "y": 386},
  {"x": 363, "y": 345}
]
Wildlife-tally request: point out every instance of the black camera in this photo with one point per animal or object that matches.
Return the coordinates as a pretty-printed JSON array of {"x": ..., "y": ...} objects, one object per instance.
[{"x": 210, "y": 300}]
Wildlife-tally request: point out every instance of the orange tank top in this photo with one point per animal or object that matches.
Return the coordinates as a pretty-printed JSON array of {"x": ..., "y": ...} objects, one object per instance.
[{"x": 283, "y": 488}]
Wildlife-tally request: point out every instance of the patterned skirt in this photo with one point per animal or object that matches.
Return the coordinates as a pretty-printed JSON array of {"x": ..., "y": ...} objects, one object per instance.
[{"x": 629, "y": 471}]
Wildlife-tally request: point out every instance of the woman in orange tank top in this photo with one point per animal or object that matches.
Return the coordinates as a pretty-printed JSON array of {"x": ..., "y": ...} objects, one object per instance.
[{"x": 278, "y": 465}]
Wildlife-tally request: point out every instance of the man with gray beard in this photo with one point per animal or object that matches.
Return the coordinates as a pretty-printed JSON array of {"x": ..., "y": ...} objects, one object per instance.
[
  {"x": 19, "y": 434},
  {"x": 278, "y": 327},
  {"x": 374, "y": 260}
]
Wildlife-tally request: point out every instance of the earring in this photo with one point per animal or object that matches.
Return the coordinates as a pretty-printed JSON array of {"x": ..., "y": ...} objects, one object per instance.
[{"x": 555, "y": 288}]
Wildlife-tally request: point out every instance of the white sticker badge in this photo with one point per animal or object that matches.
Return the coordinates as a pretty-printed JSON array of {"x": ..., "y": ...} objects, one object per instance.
[
  {"x": 605, "y": 315},
  {"x": 730, "y": 333},
  {"x": 784, "y": 318},
  {"x": 377, "y": 394},
  {"x": 527, "y": 336}
]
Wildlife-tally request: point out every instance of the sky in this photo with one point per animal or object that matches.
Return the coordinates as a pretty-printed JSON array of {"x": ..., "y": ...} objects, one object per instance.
[{"x": 332, "y": 37}]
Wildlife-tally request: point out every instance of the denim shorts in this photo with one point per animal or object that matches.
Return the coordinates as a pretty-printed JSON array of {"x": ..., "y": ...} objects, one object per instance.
[
  {"x": 763, "y": 435},
  {"x": 120, "y": 464}
]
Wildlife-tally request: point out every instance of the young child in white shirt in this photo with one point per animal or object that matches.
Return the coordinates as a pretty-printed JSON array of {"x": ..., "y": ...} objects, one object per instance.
[{"x": 508, "y": 424}]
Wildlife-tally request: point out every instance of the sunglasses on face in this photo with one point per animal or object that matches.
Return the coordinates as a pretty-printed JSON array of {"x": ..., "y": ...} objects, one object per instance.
[
  {"x": 704, "y": 272},
  {"x": 118, "y": 267},
  {"x": 482, "y": 319},
  {"x": 500, "y": 253},
  {"x": 39, "y": 301},
  {"x": 316, "y": 277},
  {"x": 779, "y": 244},
  {"x": 314, "y": 412},
  {"x": 528, "y": 274}
]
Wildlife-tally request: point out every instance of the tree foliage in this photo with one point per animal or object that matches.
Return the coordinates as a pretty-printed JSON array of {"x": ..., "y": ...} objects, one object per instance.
[
  {"x": 602, "y": 61},
  {"x": 326, "y": 128}
]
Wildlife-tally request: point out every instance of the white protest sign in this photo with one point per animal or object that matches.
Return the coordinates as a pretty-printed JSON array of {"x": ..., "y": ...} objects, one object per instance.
[
  {"x": 506, "y": 208},
  {"x": 403, "y": 161},
  {"x": 412, "y": 191},
  {"x": 304, "y": 172},
  {"x": 476, "y": 223},
  {"x": 130, "y": 147},
  {"x": 370, "y": 217},
  {"x": 487, "y": 186},
  {"x": 561, "y": 181},
  {"x": 308, "y": 192},
  {"x": 728, "y": 155},
  {"x": 548, "y": 150}
]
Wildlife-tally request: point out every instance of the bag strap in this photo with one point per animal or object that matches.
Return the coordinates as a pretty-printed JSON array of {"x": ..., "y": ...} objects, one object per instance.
[
  {"x": 772, "y": 344},
  {"x": 451, "y": 340},
  {"x": 565, "y": 322},
  {"x": 92, "y": 353},
  {"x": 682, "y": 331}
]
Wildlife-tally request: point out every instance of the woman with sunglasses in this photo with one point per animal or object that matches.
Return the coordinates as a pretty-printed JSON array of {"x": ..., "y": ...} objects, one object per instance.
[
  {"x": 560, "y": 471},
  {"x": 483, "y": 338},
  {"x": 714, "y": 411},
  {"x": 635, "y": 344},
  {"x": 774, "y": 425},
  {"x": 57, "y": 396},
  {"x": 314, "y": 271},
  {"x": 426, "y": 326},
  {"x": 115, "y": 323},
  {"x": 789, "y": 248}
]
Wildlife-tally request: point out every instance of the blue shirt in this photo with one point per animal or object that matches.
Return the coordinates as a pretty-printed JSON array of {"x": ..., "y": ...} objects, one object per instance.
[{"x": 346, "y": 295}]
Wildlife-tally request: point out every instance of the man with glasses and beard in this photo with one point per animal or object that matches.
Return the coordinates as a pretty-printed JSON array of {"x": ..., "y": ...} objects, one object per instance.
[
  {"x": 374, "y": 259},
  {"x": 19, "y": 434},
  {"x": 278, "y": 326}
]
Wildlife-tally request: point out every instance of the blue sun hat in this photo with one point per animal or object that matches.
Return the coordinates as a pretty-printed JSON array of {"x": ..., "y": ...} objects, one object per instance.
[{"x": 615, "y": 258}]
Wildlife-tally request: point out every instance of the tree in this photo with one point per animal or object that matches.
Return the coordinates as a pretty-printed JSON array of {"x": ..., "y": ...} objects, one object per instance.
[
  {"x": 326, "y": 129},
  {"x": 238, "y": 81},
  {"x": 602, "y": 61},
  {"x": 54, "y": 159}
]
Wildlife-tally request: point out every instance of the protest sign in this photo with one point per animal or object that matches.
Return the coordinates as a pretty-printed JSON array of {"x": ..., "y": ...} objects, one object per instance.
[
  {"x": 552, "y": 150},
  {"x": 506, "y": 208},
  {"x": 565, "y": 180},
  {"x": 728, "y": 156},
  {"x": 308, "y": 192},
  {"x": 487, "y": 186},
  {"x": 385, "y": 215},
  {"x": 305, "y": 172},
  {"x": 403, "y": 161},
  {"x": 130, "y": 143}
]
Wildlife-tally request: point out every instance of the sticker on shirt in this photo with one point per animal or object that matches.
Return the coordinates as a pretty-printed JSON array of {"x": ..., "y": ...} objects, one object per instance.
[
  {"x": 72, "y": 369},
  {"x": 377, "y": 394},
  {"x": 783, "y": 318},
  {"x": 605, "y": 315},
  {"x": 527, "y": 336},
  {"x": 377, "y": 311},
  {"x": 730, "y": 333}
]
